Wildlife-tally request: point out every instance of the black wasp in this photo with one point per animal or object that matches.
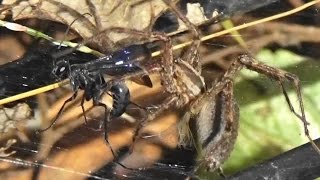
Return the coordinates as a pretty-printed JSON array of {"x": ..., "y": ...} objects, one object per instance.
[
  {"x": 90, "y": 77},
  {"x": 19, "y": 75},
  {"x": 85, "y": 71}
]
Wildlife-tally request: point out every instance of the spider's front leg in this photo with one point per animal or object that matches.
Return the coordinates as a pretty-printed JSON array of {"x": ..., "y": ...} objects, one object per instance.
[
  {"x": 280, "y": 76},
  {"x": 180, "y": 76},
  {"x": 191, "y": 54},
  {"x": 168, "y": 103}
]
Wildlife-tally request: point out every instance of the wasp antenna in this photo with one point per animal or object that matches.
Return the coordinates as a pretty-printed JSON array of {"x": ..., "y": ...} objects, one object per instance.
[{"x": 68, "y": 29}]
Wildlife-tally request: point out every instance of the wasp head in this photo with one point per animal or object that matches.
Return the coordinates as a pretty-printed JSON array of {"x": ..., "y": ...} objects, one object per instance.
[{"x": 61, "y": 69}]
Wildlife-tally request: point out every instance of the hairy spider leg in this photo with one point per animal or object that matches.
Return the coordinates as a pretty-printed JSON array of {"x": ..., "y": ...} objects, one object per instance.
[
  {"x": 166, "y": 64},
  {"x": 191, "y": 55},
  {"x": 224, "y": 85},
  {"x": 167, "y": 59},
  {"x": 281, "y": 76},
  {"x": 190, "y": 59}
]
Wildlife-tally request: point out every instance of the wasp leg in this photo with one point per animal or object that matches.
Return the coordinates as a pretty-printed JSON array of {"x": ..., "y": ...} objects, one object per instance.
[
  {"x": 60, "y": 112},
  {"x": 83, "y": 110}
]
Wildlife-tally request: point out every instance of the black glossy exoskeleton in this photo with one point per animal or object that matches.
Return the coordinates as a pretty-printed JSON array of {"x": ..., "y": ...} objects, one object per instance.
[
  {"x": 19, "y": 76},
  {"x": 121, "y": 99},
  {"x": 89, "y": 77}
]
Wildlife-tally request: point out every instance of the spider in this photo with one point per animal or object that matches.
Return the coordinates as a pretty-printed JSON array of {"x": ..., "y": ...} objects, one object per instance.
[{"x": 214, "y": 109}]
